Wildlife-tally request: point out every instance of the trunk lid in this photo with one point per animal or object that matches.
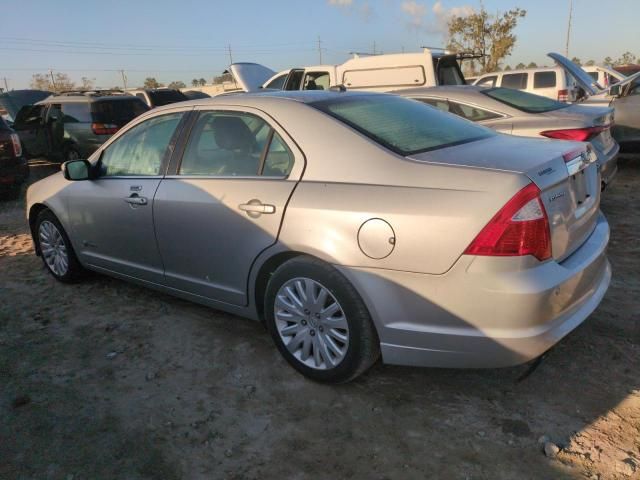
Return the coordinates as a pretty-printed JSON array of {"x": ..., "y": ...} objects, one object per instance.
[
  {"x": 583, "y": 79},
  {"x": 579, "y": 116},
  {"x": 250, "y": 76},
  {"x": 570, "y": 189}
]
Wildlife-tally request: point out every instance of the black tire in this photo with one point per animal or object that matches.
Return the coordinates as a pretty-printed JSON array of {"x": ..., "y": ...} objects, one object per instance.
[
  {"x": 74, "y": 270},
  {"x": 363, "y": 348}
]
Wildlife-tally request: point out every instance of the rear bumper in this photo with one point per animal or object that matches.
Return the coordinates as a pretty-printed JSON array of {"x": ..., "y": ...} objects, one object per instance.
[
  {"x": 484, "y": 312},
  {"x": 608, "y": 164},
  {"x": 13, "y": 176}
]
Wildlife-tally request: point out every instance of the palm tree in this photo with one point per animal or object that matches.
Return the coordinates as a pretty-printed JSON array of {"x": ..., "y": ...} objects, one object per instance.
[{"x": 195, "y": 82}]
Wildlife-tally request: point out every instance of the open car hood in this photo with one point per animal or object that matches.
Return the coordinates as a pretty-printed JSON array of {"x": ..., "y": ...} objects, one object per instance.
[
  {"x": 628, "y": 80},
  {"x": 250, "y": 76},
  {"x": 589, "y": 85}
]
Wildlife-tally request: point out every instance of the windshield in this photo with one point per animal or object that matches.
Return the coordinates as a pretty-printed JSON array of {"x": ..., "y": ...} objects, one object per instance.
[
  {"x": 523, "y": 101},
  {"x": 404, "y": 126},
  {"x": 118, "y": 112},
  {"x": 165, "y": 97}
]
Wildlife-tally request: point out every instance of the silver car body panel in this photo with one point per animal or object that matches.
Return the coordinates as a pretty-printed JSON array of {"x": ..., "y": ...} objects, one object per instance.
[
  {"x": 435, "y": 204},
  {"x": 517, "y": 122}
]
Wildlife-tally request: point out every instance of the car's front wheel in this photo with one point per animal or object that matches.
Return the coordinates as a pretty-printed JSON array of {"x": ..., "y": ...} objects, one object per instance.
[
  {"x": 319, "y": 322},
  {"x": 55, "y": 248}
]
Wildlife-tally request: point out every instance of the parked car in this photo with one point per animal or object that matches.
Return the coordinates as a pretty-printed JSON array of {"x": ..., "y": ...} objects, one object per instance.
[
  {"x": 551, "y": 82},
  {"x": 13, "y": 166},
  {"x": 195, "y": 94},
  {"x": 74, "y": 124},
  {"x": 12, "y": 101},
  {"x": 157, "y": 97},
  {"x": 605, "y": 76},
  {"x": 517, "y": 112},
  {"x": 351, "y": 223},
  {"x": 362, "y": 72},
  {"x": 624, "y": 97}
]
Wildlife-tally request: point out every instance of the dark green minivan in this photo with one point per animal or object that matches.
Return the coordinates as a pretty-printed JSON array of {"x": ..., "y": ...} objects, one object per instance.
[{"x": 74, "y": 124}]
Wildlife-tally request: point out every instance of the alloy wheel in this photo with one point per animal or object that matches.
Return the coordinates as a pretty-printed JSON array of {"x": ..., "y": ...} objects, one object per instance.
[
  {"x": 53, "y": 248},
  {"x": 311, "y": 323}
]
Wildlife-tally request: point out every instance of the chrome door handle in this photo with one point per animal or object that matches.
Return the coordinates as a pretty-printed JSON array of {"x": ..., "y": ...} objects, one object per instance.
[
  {"x": 136, "y": 200},
  {"x": 255, "y": 206}
]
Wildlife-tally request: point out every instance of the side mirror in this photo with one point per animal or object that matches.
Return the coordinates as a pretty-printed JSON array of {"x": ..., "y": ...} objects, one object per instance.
[
  {"x": 76, "y": 170},
  {"x": 615, "y": 91}
]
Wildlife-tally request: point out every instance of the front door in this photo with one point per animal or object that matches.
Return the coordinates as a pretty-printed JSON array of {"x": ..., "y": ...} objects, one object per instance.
[
  {"x": 112, "y": 216},
  {"x": 31, "y": 127},
  {"x": 225, "y": 203}
]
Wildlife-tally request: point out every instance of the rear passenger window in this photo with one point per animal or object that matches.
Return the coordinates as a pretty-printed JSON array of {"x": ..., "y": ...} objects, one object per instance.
[
  {"x": 76, "y": 112},
  {"x": 230, "y": 144},
  {"x": 515, "y": 80},
  {"x": 474, "y": 114},
  {"x": 487, "y": 81},
  {"x": 437, "y": 103},
  {"x": 544, "y": 80},
  {"x": 316, "y": 81}
]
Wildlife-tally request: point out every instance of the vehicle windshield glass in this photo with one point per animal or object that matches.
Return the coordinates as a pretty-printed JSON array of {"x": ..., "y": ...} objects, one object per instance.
[
  {"x": 523, "y": 101},
  {"x": 118, "y": 112},
  {"x": 165, "y": 97},
  {"x": 404, "y": 126}
]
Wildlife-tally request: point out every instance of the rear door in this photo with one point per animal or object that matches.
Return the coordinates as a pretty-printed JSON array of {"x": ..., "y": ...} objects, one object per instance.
[{"x": 224, "y": 201}]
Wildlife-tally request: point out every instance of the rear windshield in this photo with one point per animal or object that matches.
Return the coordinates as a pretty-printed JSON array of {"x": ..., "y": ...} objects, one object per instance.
[
  {"x": 523, "y": 101},
  {"x": 165, "y": 97},
  {"x": 118, "y": 112},
  {"x": 404, "y": 126}
]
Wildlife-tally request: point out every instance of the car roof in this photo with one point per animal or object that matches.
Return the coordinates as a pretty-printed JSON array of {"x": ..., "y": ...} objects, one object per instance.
[
  {"x": 523, "y": 70},
  {"x": 269, "y": 96},
  {"x": 85, "y": 98}
]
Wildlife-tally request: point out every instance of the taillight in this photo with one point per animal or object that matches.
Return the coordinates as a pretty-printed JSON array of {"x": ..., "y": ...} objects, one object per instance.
[
  {"x": 104, "y": 128},
  {"x": 520, "y": 228},
  {"x": 17, "y": 146},
  {"x": 563, "y": 95},
  {"x": 578, "y": 134}
]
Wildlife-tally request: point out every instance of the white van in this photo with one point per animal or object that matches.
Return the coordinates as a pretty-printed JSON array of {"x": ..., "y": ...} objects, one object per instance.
[
  {"x": 552, "y": 82},
  {"x": 366, "y": 72},
  {"x": 605, "y": 76}
]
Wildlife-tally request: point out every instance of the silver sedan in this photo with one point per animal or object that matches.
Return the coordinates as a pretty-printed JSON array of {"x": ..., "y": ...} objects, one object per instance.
[
  {"x": 354, "y": 225},
  {"x": 520, "y": 113}
]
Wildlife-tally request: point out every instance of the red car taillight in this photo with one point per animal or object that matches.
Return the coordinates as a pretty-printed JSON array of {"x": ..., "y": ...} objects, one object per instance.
[
  {"x": 17, "y": 146},
  {"x": 563, "y": 95},
  {"x": 578, "y": 134},
  {"x": 104, "y": 128},
  {"x": 521, "y": 227}
]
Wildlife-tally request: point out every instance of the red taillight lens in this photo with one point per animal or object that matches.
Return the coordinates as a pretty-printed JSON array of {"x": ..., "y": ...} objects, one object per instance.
[
  {"x": 17, "y": 146},
  {"x": 521, "y": 227},
  {"x": 578, "y": 134},
  {"x": 104, "y": 128},
  {"x": 563, "y": 95}
]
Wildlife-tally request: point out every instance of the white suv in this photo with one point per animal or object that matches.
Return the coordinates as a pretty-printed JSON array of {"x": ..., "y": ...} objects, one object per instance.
[
  {"x": 605, "y": 76},
  {"x": 551, "y": 82}
]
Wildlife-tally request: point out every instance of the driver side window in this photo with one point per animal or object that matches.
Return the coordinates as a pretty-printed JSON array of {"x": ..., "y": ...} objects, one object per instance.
[{"x": 142, "y": 150}]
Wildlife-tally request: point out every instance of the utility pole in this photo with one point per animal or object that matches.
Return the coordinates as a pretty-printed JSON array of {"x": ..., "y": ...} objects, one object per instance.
[
  {"x": 566, "y": 51},
  {"x": 53, "y": 82},
  {"x": 6, "y": 86},
  {"x": 320, "y": 49},
  {"x": 124, "y": 79},
  {"x": 374, "y": 47},
  {"x": 230, "y": 55}
]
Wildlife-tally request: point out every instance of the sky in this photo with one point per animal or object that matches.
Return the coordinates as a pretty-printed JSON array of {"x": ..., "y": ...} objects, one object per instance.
[{"x": 173, "y": 40}]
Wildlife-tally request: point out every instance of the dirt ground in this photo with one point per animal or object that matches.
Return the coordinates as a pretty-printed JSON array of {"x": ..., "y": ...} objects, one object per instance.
[{"x": 106, "y": 380}]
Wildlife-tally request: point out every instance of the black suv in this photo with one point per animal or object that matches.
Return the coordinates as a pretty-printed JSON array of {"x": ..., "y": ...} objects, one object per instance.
[
  {"x": 74, "y": 124},
  {"x": 13, "y": 166}
]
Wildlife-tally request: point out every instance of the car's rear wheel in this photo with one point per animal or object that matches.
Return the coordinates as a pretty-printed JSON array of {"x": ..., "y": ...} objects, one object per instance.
[
  {"x": 55, "y": 248},
  {"x": 319, "y": 322}
]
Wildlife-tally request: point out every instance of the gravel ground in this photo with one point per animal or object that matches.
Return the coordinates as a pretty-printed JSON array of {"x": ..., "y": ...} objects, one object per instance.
[{"x": 107, "y": 380}]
